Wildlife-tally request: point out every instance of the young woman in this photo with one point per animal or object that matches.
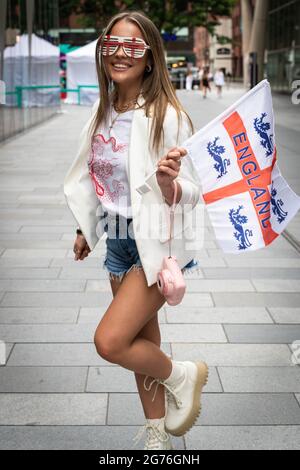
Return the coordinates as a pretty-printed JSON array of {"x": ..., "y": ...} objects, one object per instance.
[
  {"x": 189, "y": 80},
  {"x": 219, "y": 82},
  {"x": 107, "y": 190},
  {"x": 205, "y": 83}
]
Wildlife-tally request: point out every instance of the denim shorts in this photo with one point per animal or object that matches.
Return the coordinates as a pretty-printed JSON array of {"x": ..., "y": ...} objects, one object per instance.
[{"x": 121, "y": 251}]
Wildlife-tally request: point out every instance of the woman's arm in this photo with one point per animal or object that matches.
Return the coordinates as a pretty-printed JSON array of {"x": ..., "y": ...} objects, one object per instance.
[{"x": 189, "y": 192}]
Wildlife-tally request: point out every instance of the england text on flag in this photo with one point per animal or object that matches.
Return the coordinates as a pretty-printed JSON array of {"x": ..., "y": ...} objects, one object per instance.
[{"x": 248, "y": 200}]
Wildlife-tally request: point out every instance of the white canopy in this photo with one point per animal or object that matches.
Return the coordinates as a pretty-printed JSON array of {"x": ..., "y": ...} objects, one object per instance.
[
  {"x": 41, "y": 69},
  {"x": 39, "y": 48},
  {"x": 81, "y": 70}
]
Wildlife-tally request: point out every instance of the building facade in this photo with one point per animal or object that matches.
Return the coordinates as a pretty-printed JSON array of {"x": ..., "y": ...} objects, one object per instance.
[
  {"x": 237, "y": 39},
  {"x": 211, "y": 52},
  {"x": 23, "y": 85},
  {"x": 282, "y": 57},
  {"x": 283, "y": 44},
  {"x": 237, "y": 46},
  {"x": 220, "y": 53}
]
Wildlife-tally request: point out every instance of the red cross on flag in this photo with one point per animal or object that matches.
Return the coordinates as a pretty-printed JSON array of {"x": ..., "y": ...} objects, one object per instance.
[{"x": 248, "y": 200}]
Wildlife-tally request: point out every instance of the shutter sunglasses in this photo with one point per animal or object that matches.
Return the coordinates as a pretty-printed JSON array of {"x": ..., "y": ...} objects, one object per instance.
[{"x": 133, "y": 47}]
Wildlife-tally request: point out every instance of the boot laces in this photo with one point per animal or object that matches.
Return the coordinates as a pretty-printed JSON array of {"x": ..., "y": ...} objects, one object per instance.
[
  {"x": 154, "y": 435},
  {"x": 171, "y": 394}
]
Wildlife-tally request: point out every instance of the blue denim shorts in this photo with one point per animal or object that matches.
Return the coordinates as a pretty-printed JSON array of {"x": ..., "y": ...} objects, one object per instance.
[{"x": 121, "y": 250}]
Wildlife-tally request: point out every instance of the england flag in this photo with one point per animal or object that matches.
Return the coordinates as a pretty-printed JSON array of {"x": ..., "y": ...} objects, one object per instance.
[{"x": 247, "y": 199}]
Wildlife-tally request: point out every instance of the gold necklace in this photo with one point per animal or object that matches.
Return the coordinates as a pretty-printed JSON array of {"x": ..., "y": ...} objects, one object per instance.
[{"x": 125, "y": 107}]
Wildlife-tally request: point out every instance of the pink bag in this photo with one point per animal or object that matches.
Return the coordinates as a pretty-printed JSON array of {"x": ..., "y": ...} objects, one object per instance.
[{"x": 170, "y": 280}]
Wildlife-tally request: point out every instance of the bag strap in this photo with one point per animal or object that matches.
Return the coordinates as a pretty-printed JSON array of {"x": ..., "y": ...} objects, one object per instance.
[{"x": 172, "y": 214}]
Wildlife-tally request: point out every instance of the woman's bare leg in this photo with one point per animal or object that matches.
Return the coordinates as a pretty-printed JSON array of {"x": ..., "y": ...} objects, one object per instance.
[
  {"x": 116, "y": 337},
  {"x": 152, "y": 409}
]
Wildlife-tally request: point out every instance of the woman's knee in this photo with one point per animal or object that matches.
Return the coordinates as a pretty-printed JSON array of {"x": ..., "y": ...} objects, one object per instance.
[{"x": 108, "y": 346}]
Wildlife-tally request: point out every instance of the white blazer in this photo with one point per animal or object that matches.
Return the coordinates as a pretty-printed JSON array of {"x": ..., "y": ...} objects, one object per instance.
[{"x": 147, "y": 200}]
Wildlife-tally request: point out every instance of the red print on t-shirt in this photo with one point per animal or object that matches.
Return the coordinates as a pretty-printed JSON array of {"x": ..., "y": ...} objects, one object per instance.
[{"x": 101, "y": 169}]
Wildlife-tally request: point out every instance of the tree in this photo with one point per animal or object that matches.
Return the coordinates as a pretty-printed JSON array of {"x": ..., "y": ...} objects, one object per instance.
[{"x": 169, "y": 15}]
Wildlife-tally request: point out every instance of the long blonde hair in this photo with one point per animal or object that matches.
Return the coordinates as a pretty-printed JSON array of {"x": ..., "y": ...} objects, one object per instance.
[{"x": 157, "y": 88}]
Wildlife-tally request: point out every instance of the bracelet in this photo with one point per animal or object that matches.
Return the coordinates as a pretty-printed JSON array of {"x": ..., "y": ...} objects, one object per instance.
[{"x": 78, "y": 231}]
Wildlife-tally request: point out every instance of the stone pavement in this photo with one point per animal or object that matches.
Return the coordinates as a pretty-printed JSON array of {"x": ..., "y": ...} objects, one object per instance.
[{"x": 241, "y": 314}]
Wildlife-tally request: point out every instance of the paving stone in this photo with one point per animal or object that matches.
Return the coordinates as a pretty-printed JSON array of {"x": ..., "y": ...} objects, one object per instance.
[
  {"x": 43, "y": 379},
  {"x": 267, "y": 252},
  {"x": 86, "y": 263},
  {"x": 114, "y": 379},
  {"x": 37, "y": 315},
  {"x": 213, "y": 315},
  {"x": 217, "y": 409},
  {"x": 46, "y": 229},
  {"x": 74, "y": 438},
  {"x": 200, "y": 300},
  {"x": 60, "y": 354},
  {"x": 56, "y": 299},
  {"x": 262, "y": 333},
  {"x": 249, "y": 408},
  {"x": 29, "y": 273},
  {"x": 234, "y": 354},
  {"x": 193, "y": 333},
  {"x": 8, "y": 239},
  {"x": 260, "y": 379},
  {"x": 30, "y": 262},
  {"x": 85, "y": 273},
  {"x": 276, "y": 285},
  {"x": 211, "y": 262},
  {"x": 34, "y": 253},
  {"x": 94, "y": 315},
  {"x": 251, "y": 299},
  {"x": 275, "y": 262},
  {"x": 53, "y": 409},
  {"x": 98, "y": 285},
  {"x": 257, "y": 273},
  {"x": 43, "y": 285},
  {"x": 49, "y": 333},
  {"x": 220, "y": 285},
  {"x": 8, "y": 347},
  {"x": 243, "y": 438},
  {"x": 285, "y": 315}
]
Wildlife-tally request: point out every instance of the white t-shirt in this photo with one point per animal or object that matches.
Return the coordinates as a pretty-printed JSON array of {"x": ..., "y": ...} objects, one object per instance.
[
  {"x": 107, "y": 164},
  {"x": 219, "y": 78}
]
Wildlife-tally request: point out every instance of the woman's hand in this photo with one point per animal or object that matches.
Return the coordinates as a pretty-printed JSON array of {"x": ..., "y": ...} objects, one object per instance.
[
  {"x": 169, "y": 166},
  {"x": 81, "y": 248}
]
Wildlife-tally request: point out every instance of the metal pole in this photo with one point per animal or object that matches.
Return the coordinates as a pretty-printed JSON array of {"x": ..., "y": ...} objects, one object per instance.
[
  {"x": 247, "y": 21},
  {"x": 258, "y": 35},
  {"x": 3, "y": 13}
]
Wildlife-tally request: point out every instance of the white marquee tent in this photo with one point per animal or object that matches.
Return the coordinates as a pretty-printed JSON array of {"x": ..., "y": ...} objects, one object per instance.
[
  {"x": 41, "y": 69},
  {"x": 81, "y": 71}
]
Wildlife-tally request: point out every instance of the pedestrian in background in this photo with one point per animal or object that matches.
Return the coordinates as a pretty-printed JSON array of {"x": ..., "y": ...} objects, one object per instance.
[
  {"x": 219, "y": 82},
  {"x": 210, "y": 76},
  {"x": 200, "y": 74},
  {"x": 228, "y": 79},
  {"x": 136, "y": 126},
  {"x": 189, "y": 80},
  {"x": 205, "y": 83}
]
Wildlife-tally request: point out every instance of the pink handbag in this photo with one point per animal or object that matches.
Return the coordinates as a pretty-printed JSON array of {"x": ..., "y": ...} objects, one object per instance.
[{"x": 170, "y": 280}]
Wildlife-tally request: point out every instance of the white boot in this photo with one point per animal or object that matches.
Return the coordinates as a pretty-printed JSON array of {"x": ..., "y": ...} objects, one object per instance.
[
  {"x": 183, "y": 396},
  {"x": 157, "y": 438}
]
